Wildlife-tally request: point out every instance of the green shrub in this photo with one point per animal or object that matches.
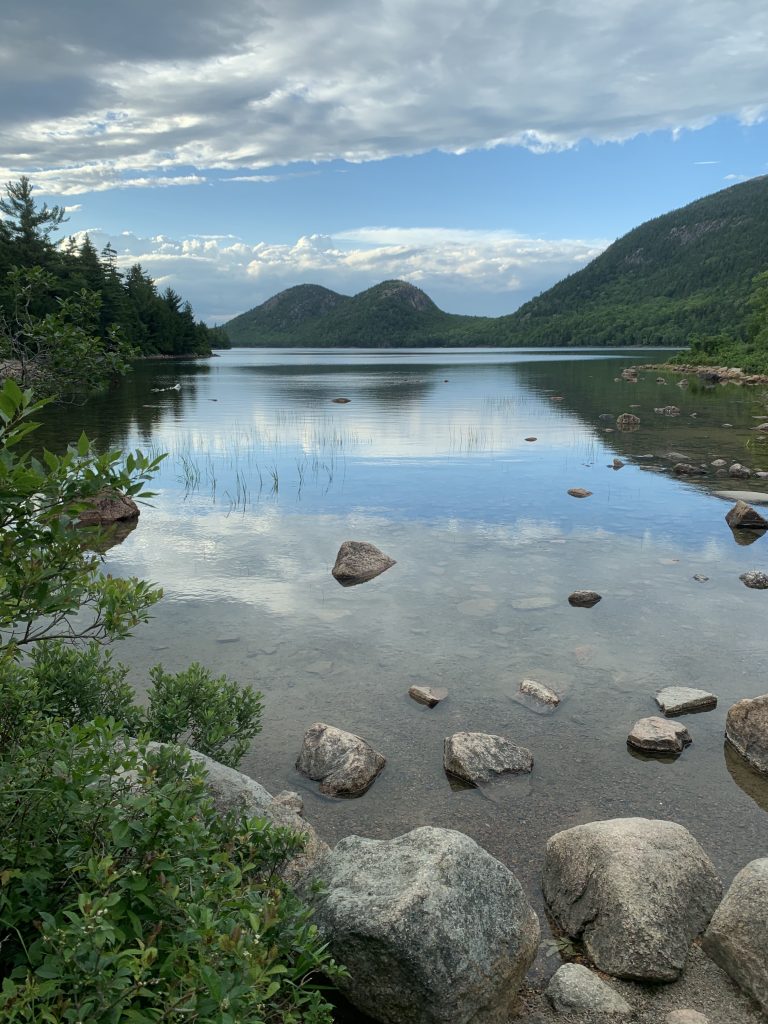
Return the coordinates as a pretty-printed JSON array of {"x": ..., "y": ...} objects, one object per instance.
[
  {"x": 125, "y": 897},
  {"x": 215, "y": 716}
]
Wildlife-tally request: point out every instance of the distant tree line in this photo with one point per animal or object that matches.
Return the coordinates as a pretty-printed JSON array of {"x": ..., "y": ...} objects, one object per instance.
[{"x": 69, "y": 285}]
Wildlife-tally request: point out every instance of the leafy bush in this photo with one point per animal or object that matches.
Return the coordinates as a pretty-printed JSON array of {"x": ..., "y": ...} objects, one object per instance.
[
  {"x": 215, "y": 716},
  {"x": 126, "y": 897}
]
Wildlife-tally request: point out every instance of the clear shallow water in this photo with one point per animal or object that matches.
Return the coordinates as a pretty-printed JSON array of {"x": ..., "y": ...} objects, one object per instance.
[{"x": 266, "y": 476}]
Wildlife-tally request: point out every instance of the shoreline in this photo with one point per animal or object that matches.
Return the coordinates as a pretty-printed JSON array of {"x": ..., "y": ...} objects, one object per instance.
[{"x": 711, "y": 374}]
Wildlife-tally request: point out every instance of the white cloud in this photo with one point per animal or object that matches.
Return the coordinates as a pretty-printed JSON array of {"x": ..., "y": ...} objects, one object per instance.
[
  {"x": 106, "y": 99},
  {"x": 223, "y": 275}
]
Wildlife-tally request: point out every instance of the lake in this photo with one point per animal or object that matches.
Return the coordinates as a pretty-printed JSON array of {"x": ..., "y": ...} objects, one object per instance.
[{"x": 266, "y": 476}]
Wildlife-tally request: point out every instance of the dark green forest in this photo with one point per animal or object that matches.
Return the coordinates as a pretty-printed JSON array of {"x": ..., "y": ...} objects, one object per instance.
[{"x": 64, "y": 303}]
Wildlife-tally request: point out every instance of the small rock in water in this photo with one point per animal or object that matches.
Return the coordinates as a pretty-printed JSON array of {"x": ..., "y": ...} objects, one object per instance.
[
  {"x": 700, "y": 578},
  {"x": 684, "y": 700},
  {"x": 531, "y": 439},
  {"x": 539, "y": 692},
  {"x": 746, "y": 729},
  {"x": 584, "y": 598},
  {"x": 755, "y": 579},
  {"x": 660, "y": 380},
  {"x": 718, "y": 463},
  {"x": 739, "y": 472},
  {"x": 478, "y": 757},
  {"x": 290, "y": 799},
  {"x": 606, "y": 417},
  {"x": 227, "y": 639},
  {"x": 628, "y": 421},
  {"x": 668, "y": 410},
  {"x": 341, "y": 401},
  {"x": 358, "y": 561},
  {"x": 658, "y": 736},
  {"x": 575, "y": 989},
  {"x": 683, "y": 383},
  {"x": 726, "y": 424},
  {"x": 743, "y": 517},
  {"x": 344, "y": 764},
  {"x": 427, "y": 695},
  {"x": 579, "y": 492},
  {"x": 687, "y": 469}
]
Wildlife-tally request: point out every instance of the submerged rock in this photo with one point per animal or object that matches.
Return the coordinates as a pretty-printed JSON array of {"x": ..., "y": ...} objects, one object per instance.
[
  {"x": 746, "y": 729},
  {"x": 617, "y": 464},
  {"x": 684, "y": 700},
  {"x": 668, "y": 410},
  {"x": 635, "y": 891},
  {"x": 687, "y": 469},
  {"x": 628, "y": 421},
  {"x": 477, "y": 757},
  {"x": 431, "y": 696},
  {"x": 743, "y": 517},
  {"x": 344, "y": 764},
  {"x": 737, "y": 937},
  {"x": 658, "y": 736},
  {"x": 431, "y": 927},
  {"x": 575, "y": 989},
  {"x": 108, "y": 507},
  {"x": 358, "y": 561},
  {"x": 580, "y": 492},
  {"x": 686, "y": 1017},
  {"x": 584, "y": 598}
]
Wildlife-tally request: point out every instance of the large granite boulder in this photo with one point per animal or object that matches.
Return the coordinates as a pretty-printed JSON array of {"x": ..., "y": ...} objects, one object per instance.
[
  {"x": 636, "y": 892},
  {"x": 108, "y": 507},
  {"x": 234, "y": 792},
  {"x": 476, "y": 757},
  {"x": 746, "y": 729},
  {"x": 737, "y": 937},
  {"x": 432, "y": 929},
  {"x": 358, "y": 561},
  {"x": 576, "y": 989},
  {"x": 344, "y": 764}
]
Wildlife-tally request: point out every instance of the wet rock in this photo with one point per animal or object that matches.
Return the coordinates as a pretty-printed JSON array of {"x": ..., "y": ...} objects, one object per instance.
[
  {"x": 617, "y": 464},
  {"x": 584, "y": 598},
  {"x": 683, "y": 383},
  {"x": 358, "y": 561},
  {"x": 746, "y": 729},
  {"x": 291, "y": 800},
  {"x": 751, "y": 497},
  {"x": 684, "y": 700},
  {"x": 668, "y": 410},
  {"x": 341, "y": 401},
  {"x": 108, "y": 507},
  {"x": 431, "y": 927},
  {"x": 579, "y": 492},
  {"x": 575, "y": 989},
  {"x": 687, "y": 469},
  {"x": 660, "y": 380},
  {"x": 726, "y": 424},
  {"x": 739, "y": 472},
  {"x": 605, "y": 417},
  {"x": 234, "y": 792},
  {"x": 477, "y": 757},
  {"x": 718, "y": 463},
  {"x": 737, "y": 937},
  {"x": 743, "y": 517},
  {"x": 431, "y": 696},
  {"x": 700, "y": 578},
  {"x": 531, "y": 439},
  {"x": 629, "y": 373},
  {"x": 628, "y": 421},
  {"x": 635, "y": 891},
  {"x": 658, "y": 736},
  {"x": 539, "y": 692},
  {"x": 754, "y": 579},
  {"x": 344, "y": 764},
  {"x": 761, "y": 427}
]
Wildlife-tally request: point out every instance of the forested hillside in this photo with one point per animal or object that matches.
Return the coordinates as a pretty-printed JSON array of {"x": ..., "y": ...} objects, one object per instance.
[
  {"x": 68, "y": 291},
  {"x": 679, "y": 275}
]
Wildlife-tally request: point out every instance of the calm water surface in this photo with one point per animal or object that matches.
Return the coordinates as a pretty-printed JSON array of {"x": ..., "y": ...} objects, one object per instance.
[{"x": 265, "y": 478}]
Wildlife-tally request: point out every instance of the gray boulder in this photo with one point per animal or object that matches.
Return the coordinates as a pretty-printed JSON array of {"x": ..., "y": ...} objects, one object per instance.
[
  {"x": 344, "y": 764},
  {"x": 432, "y": 929},
  {"x": 737, "y": 937},
  {"x": 746, "y": 729},
  {"x": 686, "y": 1017},
  {"x": 429, "y": 695},
  {"x": 687, "y": 469},
  {"x": 358, "y": 561},
  {"x": 477, "y": 757},
  {"x": 234, "y": 792},
  {"x": 739, "y": 472},
  {"x": 627, "y": 421},
  {"x": 575, "y": 989},
  {"x": 743, "y": 517},
  {"x": 684, "y": 700},
  {"x": 636, "y": 892},
  {"x": 584, "y": 598},
  {"x": 539, "y": 692},
  {"x": 658, "y": 736}
]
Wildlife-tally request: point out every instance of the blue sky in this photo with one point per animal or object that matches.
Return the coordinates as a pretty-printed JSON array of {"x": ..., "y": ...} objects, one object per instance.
[{"x": 481, "y": 150}]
